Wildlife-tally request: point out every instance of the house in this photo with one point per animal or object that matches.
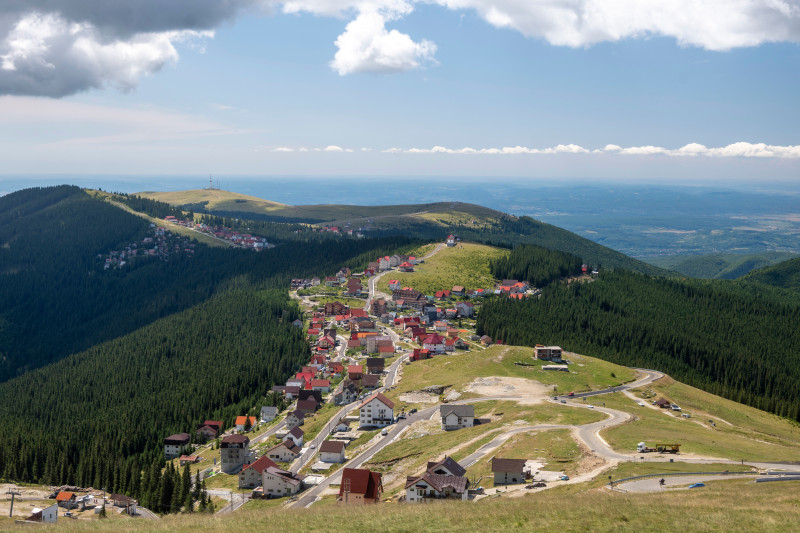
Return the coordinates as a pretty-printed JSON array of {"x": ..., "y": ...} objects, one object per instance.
[
  {"x": 268, "y": 413},
  {"x": 548, "y": 353},
  {"x": 411, "y": 298},
  {"x": 371, "y": 381},
  {"x": 508, "y": 471},
  {"x": 285, "y": 452},
  {"x": 434, "y": 343},
  {"x": 354, "y": 372},
  {"x": 451, "y": 241},
  {"x": 418, "y": 354},
  {"x": 296, "y": 435},
  {"x": 189, "y": 459},
  {"x": 67, "y": 500},
  {"x": 379, "y": 307},
  {"x": 394, "y": 285},
  {"x": 174, "y": 445},
  {"x": 321, "y": 385},
  {"x": 242, "y": 423},
  {"x": 458, "y": 290},
  {"x": 457, "y": 416},
  {"x": 360, "y": 485},
  {"x": 125, "y": 502},
  {"x": 348, "y": 394},
  {"x": 332, "y": 451},
  {"x": 335, "y": 308},
  {"x": 234, "y": 453},
  {"x": 405, "y": 267},
  {"x": 465, "y": 309},
  {"x": 309, "y": 394},
  {"x": 205, "y": 432},
  {"x": 376, "y": 411},
  {"x": 354, "y": 344},
  {"x": 383, "y": 264},
  {"x": 375, "y": 365},
  {"x": 429, "y": 487},
  {"x": 307, "y": 407},
  {"x": 48, "y": 515},
  {"x": 385, "y": 348},
  {"x": 446, "y": 467},
  {"x": 250, "y": 476},
  {"x": 278, "y": 483},
  {"x": 294, "y": 419},
  {"x": 441, "y": 295},
  {"x": 486, "y": 340},
  {"x": 440, "y": 325},
  {"x": 290, "y": 391},
  {"x": 663, "y": 403}
]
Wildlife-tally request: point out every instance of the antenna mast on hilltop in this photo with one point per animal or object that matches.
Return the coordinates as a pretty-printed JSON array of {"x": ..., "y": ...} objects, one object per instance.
[{"x": 210, "y": 183}]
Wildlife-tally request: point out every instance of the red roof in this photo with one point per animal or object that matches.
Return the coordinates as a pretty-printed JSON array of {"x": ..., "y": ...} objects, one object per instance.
[
  {"x": 433, "y": 338},
  {"x": 320, "y": 383},
  {"x": 64, "y": 496},
  {"x": 355, "y": 313},
  {"x": 361, "y": 481},
  {"x": 355, "y": 369}
]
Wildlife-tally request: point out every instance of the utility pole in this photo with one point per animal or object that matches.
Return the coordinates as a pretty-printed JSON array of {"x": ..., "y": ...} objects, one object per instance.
[{"x": 13, "y": 493}]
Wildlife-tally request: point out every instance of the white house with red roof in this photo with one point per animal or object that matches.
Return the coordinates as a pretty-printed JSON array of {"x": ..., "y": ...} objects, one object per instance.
[
  {"x": 394, "y": 285},
  {"x": 322, "y": 385},
  {"x": 376, "y": 411},
  {"x": 434, "y": 343},
  {"x": 250, "y": 476},
  {"x": 241, "y": 422}
]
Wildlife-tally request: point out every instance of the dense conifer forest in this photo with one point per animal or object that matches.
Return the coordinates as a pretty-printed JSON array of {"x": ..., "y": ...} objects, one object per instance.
[
  {"x": 536, "y": 265},
  {"x": 708, "y": 334}
]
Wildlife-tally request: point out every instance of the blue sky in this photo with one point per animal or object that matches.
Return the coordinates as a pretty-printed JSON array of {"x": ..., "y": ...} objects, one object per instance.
[{"x": 397, "y": 87}]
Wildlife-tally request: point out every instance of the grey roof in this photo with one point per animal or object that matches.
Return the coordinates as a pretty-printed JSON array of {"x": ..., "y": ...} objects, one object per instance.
[
  {"x": 458, "y": 410},
  {"x": 508, "y": 465}
]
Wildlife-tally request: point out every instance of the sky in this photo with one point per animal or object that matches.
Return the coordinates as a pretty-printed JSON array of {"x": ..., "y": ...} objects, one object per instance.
[{"x": 639, "y": 90}]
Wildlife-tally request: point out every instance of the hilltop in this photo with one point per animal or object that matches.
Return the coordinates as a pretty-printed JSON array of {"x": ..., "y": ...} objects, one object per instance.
[
  {"x": 784, "y": 275},
  {"x": 431, "y": 222}
]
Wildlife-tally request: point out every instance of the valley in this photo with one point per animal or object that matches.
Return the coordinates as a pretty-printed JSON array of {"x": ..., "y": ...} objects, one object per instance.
[{"x": 465, "y": 366}]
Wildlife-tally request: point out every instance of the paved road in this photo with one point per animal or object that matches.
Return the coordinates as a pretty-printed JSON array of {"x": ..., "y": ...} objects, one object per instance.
[
  {"x": 373, "y": 281},
  {"x": 495, "y": 443},
  {"x": 238, "y": 499},
  {"x": 673, "y": 482}
]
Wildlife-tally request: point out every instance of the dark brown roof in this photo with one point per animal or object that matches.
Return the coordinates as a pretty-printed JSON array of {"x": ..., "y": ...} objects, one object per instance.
[
  {"x": 449, "y": 464},
  {"x": 296, "y": 432},
  {"x": 376, "y": 361},
  {"x": 332, "y": 446},
  {"x": 371, "y": 380},
  {"x": 440, "y": 482},
  {"x": 362, "y": 481},
  {"x": 307, "y": 405},
  {"x": 235, "y": 439},
  {"x": 508, "y": 465},
  {"x": 178, "y": 438}
]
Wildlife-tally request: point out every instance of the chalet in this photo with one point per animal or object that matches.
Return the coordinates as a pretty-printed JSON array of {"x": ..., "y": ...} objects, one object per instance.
[
  {"x": 332, "y": 451},
  {"x": 430, "y": 487},
  {"x": 418, "y": 354},
  {"x": 440, "y": 325},
  {"x": 291, "y": 391},
  {"x": 189, "y": 459},
  {"x": 508, "y": 471},
  {"x": 297, "y": 323},
  {"x": 548, "y": 353},
  {"x": 450, "y": 345},
  {"x": 394, "y": 285},
  {"x": 355, "y": 372},
  {"x": 405, "y": 267},
  {"x": 375, "y": 365},
  {"x": 335, "y": 308},
  {"x": 371, "y": 381},
  {"x": 457, "y": 416},
  {"x": 451, "y": 241},
  {"x": 309, "y": 394},
  {"x": 278, "y": 483},
  {"x": 509, "y": 283},
  {"x": 322, "y": 385},
  {"x": 296, "y": 436},
  {"x": 285, "y": 452},
  {"x": 354, "y": 288},
  {"x": 385, "y": 348},
  {"x": 442, "y": 295},
  {"x": 446, "y": 467},
  {"x": 331, "y": 281},
  {"x": 411, "y": 298},
  {"x": 465, "y": 309},
  {"x": 48, "y": 515},
  {"x": 313, "y": 332},
  {"x": 242, "y": 423},
  {"x": 294, "y": 419},
  {"x": 348, "y": 394},
  {"x": 360, "y": 485},
  {"x": 336, "y": 368},
  {"x": 234, "y": 453},
  {"x": 662, "y": 403},
  {"x": 124, "y": 502},
  {"x": 354, "y": 344},
  {"x": 250, "y": 476},
  {"x": 434, "y": 343},
  {"x": 486, "y": 340},
  {"x": 458, "y": 290},
  {"x": 175, "y": 445},
  {"x": 67, "y": 500},
  {"x": 383, "y": 264},
  {"x": 307, "y": 407},
  {"x": 376, "y": 411}
]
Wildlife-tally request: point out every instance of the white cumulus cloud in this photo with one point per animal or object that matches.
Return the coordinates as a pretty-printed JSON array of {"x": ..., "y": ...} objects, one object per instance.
[{"x": 367, "y": 46}]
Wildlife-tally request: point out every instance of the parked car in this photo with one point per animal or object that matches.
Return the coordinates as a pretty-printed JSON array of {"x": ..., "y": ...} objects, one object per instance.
[
  {"x": 697, "y": 485},
  {"x": 563, "y": 401},
  {"x": 564, "y": 478},
  {"x": 384, "y": 432},
  {"x": 571, "y": 394},
  {"x": 413, "y": 411}
]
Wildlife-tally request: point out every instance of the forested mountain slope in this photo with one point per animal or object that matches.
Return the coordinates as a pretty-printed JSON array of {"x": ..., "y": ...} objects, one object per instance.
[
  {"x": 57, "y": 298},
  {"x": 784, "y": 275},
  {"x": 718, "y": 338}
]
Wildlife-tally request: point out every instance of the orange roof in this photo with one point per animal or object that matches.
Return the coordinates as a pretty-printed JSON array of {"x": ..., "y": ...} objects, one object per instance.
[
  {"x": 64, "y": 496},
  {"x": 242, "y": 420}
]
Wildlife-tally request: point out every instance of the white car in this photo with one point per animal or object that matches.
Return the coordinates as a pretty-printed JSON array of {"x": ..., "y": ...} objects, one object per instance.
[
  {"x": 313, "y": 446},
  {"x": 641, "y": 404}
]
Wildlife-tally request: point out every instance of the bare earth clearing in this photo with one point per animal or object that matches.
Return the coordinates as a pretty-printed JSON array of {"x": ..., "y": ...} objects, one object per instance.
[{"x": 524, "y": 391}]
